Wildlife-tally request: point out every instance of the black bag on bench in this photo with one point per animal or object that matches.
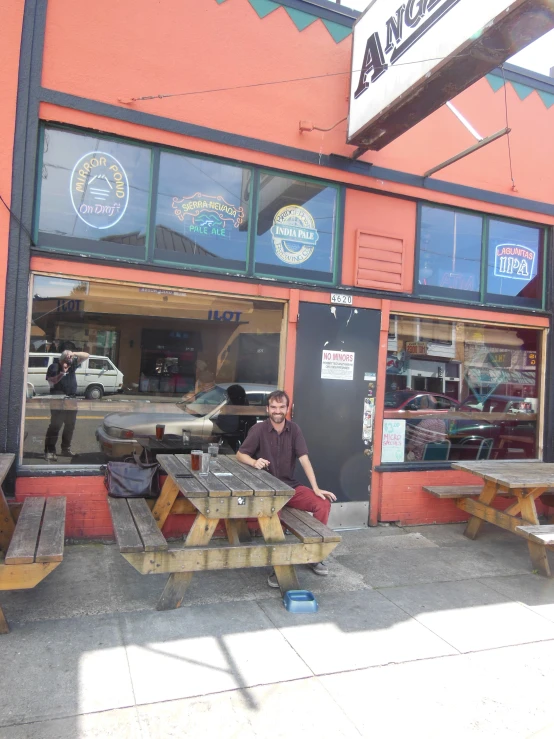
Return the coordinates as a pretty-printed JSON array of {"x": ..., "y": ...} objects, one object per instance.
[{"x": 134, "y": 479}]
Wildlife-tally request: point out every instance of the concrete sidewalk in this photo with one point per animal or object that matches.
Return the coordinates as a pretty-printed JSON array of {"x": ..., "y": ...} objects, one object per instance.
[{"x": 420, "y": 632}]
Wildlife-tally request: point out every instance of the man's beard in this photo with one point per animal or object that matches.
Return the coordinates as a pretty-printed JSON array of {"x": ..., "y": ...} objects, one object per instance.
[{"x": 277, "y": 417}]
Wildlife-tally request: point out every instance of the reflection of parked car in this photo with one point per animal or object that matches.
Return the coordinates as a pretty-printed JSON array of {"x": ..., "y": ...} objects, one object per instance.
[
  {"x": 506, "y": 421},
  {"x": 510, "y": 421},
  {"x": 397, "y": 402},
  {"x": 96, "y": 376},
  {"x": 207, "y": 416},
  {"x": 500, "y": 404}
]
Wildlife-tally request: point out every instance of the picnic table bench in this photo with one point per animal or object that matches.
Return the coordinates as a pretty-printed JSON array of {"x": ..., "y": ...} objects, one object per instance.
[
  {"x": 32, "y": 542},
  {"x": 541, "y": 534},
  {"x": 458, "y": 491},
  {"x": 453, "y": 491},
  {"x": 232, "y": 493}
]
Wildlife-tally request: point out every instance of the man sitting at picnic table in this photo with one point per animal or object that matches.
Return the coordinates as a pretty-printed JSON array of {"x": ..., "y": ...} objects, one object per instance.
[{"x": 275, "y": 445}]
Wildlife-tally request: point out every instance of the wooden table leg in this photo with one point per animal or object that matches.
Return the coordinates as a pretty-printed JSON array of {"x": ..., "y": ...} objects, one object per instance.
[
  {"x": 244, "y": 532},
  {"x": 7, "y": 525},
  {"x": 237, "y": 531},
  {"x": 165, "y": 501},
  {"x": 487, "y": 496},
  {"x": 232, "y": 532},
  {"x": 537, "y": 551},
  {"x": 4, "y": 628},
  {"x": 273, "y": 533},
  {"x": 200, "y": 534}
]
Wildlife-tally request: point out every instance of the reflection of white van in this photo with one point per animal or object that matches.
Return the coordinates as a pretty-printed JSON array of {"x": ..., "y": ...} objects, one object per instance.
[{"x": 96, "y": 376}]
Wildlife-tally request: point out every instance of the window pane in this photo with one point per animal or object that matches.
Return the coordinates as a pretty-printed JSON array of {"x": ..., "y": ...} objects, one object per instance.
[
  {"x": 35, "y": 361},
  {"x": 200, "y": 362},
  {"x": 295, "y": 227},
  {"x": 514, "y": 257},
  {"x": 474, "y": 397},
  {"x": 450, "y": 249},
  {"x": 98, "y": 364},
  {"x": 92, "y": 188},
  {"x": 202, "y": 213}
]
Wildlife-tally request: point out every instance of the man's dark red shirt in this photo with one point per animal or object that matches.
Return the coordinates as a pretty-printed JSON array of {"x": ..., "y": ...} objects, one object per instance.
[{"x": 281, "y": 450}]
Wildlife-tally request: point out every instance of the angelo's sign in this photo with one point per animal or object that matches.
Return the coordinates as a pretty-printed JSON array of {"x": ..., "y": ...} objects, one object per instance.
[{"x": 409, "y": 58}]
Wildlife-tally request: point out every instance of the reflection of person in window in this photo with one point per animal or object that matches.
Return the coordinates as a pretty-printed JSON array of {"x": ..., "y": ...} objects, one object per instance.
[
  {"x": 427, "y": 431},
  {"x": 63, "y": 382},
  {"x": 233, "y": 425},
  {"x": 205, "y": 380}
]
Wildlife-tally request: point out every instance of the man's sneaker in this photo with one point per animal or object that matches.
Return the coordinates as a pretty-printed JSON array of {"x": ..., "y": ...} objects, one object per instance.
[
  {"x": 50, "y": 456},
  {"x": 272, "y": 580},
  {"x": 67, "y": 453},
  {"x": 320, "y": 568}
]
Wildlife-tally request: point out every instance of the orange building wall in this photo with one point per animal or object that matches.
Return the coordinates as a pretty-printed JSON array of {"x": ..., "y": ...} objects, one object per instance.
[
  {"x": 136, "y": 48},
  {"x": 87, "y": 510},
  {"x": 388, "y": 221},
  {"x": 115, "y": 51},
  {"x": 10, "y": 40},
  {"x": 404, "y": 501}
]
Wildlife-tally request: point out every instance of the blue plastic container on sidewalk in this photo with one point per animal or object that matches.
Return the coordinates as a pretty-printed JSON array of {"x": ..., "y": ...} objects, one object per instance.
[{"x": 300, "y": 601}]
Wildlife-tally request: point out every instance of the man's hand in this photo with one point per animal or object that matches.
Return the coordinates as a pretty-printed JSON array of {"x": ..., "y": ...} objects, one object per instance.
[
  {"x": 323, "y": 494},
  {"x": 261, "y": 464}
]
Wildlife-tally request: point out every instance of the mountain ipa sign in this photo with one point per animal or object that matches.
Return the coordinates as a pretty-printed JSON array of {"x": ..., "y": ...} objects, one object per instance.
[
  {"x": 410, "y": 57},
  {"x": 208, "y": 215},
  {"x": 514, "y": 262},
  {"x": 99, "y": 190},
  {"x": 294, "y": 234}
]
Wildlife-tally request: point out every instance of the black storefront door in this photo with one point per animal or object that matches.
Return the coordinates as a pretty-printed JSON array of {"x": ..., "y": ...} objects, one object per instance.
[{"x": 330, "y": 410}]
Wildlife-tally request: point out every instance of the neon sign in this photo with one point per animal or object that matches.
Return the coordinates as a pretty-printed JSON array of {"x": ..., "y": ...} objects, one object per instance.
[
  {"x": 99, "y": 190},
  {"x": 210, "y": 215},
  {"x": 294, "y": 234},
  {"x": 514, "y": 262}
]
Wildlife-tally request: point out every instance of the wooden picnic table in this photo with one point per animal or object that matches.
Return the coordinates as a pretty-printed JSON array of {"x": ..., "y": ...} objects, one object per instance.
[
  {"x": 31, "y": 539},
  {"x": 525, "y": 480},
  {"x": 232, "y": 493}
]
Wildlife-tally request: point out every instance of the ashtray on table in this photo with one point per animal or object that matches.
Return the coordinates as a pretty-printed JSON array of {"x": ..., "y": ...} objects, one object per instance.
[{"x": 300, "y": 601}]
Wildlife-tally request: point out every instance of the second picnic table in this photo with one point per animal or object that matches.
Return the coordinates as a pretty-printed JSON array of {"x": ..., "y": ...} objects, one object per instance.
[
  {"x": 525, "y": 481},
  {"x": 231, "y": 493}
]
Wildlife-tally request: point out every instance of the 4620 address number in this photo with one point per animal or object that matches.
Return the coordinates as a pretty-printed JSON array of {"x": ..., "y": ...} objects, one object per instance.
[{"x": 339, "y": 299}]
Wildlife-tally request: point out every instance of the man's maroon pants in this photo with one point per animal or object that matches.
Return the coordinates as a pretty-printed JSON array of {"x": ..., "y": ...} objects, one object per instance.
[{"x": 304, "y": 499}]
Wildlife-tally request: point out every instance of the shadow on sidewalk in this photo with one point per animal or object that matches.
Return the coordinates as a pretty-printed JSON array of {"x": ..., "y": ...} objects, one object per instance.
[{"x": 88, "y": 638}]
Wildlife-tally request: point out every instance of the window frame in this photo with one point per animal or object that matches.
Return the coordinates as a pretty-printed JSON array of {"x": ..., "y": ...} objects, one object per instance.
[
  {"x": 62, "y": 468},
  {"x": 524, "y": 303},
  {"x": 311, "y": 276},
  {"x": 541, "y": 409},
  {"x": 222, "y": 265},
  {"x": 116, "y": 252},
  {"x": 482, "y": 296},
  {"x": 112, "y": 250}
]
